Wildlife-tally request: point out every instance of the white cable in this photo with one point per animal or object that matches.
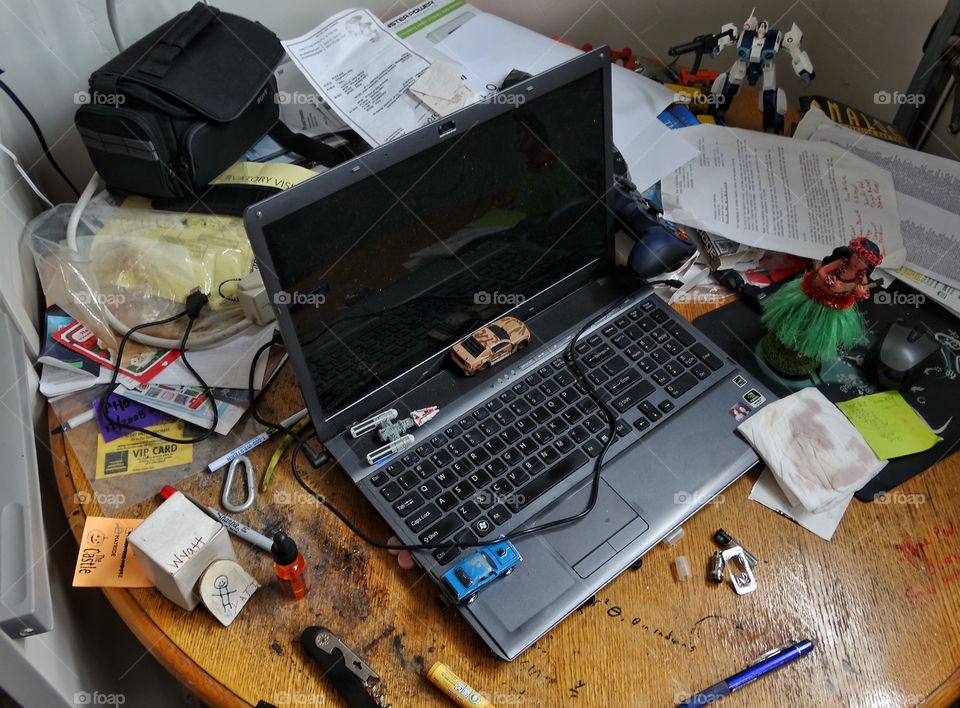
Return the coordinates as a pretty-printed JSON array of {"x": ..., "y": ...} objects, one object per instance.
[
  {"x": 112, "y": 20},
  {"x": 26, "y": 177},
  {"x": 78, "y": 208}
]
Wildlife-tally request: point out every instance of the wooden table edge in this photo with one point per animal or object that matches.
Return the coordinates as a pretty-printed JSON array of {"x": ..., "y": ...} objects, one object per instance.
[
  {"x": 190, "y": 674},
  {"x": 180, "y": 665},
  {"x": 946, "y": 694}
]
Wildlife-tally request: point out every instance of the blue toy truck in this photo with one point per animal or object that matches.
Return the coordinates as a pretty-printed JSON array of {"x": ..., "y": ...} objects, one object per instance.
[{"x": 469, "y": 576}]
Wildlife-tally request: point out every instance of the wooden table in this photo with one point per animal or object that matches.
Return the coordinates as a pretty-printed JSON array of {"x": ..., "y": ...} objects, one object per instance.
[{"x": 881, "y": 602}]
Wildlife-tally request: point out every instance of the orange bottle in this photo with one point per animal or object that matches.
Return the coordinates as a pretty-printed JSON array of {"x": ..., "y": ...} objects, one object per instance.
[{"x": 293, "y": 580}]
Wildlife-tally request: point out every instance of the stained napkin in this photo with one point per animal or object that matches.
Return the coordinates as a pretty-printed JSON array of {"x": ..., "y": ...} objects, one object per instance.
[{"x": 817, "y": 456}]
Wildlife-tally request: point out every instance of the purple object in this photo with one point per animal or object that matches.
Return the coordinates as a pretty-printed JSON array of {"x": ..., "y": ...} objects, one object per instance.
[{"x": 128, "y": 412}]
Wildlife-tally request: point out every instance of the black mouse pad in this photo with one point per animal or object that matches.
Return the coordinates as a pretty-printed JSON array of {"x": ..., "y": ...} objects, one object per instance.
[{"x": 737, "y": 330}]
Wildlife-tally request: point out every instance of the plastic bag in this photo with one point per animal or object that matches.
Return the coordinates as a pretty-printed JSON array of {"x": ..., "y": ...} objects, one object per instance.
[
  {"x": 135, "y": 265},
  {"x": 116, "y": 490}
]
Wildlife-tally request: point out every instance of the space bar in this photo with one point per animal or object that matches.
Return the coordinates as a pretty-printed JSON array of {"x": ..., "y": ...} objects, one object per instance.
[{"x": 545, "y": 480}]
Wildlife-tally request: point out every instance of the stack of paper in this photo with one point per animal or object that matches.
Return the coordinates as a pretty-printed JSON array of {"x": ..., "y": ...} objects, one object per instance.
[
  {"x": 177, "y": 394},
  {"x": 63, "y": 370},
  {"x": 372, "y": 74},
  {"x": 928, "y": 200},
  {"x": 363, "y": 72},
  {"x": 139, "y": 365},
  {"x": 781, "y": 194},
  {"x": 74, "y": 360}
]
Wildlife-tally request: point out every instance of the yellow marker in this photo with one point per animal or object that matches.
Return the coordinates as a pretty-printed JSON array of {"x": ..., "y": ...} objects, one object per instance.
[{"x": 457, "y": 690}]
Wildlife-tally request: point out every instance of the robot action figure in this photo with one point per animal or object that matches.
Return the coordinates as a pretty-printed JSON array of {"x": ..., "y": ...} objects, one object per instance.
[{"x": 757, "y": 47}]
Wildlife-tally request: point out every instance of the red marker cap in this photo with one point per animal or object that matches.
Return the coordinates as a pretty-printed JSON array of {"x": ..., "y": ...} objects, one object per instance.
[{"x": 167, "y": 491}]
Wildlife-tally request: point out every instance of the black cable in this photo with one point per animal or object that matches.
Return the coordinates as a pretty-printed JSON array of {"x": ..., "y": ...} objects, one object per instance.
[
  {"x": 220, "y": 289},
  {"x": 39, "y": 133},
  {"x": 208, "y": 392},
  {"x": 594, "y": 489},
  {"x": 672, "y": 282},
  {"x": 316, "y": 459}
]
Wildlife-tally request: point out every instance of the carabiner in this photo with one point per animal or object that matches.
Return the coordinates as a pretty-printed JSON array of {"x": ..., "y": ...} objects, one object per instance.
[{"x": 228, "y": 483}]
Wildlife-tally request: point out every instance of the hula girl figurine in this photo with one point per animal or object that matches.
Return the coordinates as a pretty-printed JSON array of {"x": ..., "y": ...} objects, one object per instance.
[{"x": 810, "y": 317}]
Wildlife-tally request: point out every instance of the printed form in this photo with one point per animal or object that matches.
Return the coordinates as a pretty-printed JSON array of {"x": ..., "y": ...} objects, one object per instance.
[
  {"x": 364, "y": 72},
  {"x": 782, "y": 194}
]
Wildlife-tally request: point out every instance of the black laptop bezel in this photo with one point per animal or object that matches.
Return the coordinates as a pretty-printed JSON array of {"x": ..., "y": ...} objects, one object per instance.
[{"x": 259, "y": 216}]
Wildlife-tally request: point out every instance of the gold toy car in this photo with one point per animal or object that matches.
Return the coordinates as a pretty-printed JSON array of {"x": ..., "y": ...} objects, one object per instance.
[{"x": 490, "y": 344}]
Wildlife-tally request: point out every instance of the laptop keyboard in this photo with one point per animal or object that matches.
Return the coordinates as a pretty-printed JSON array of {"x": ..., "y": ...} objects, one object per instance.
[{"x": 472, "y": 479}]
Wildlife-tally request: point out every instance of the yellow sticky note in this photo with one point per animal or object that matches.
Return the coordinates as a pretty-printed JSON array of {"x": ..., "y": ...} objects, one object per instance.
[
  {"x": 139, "y": 452},
  {"x": 889, "y": 425},
  {"x": 106, "y": 559}
]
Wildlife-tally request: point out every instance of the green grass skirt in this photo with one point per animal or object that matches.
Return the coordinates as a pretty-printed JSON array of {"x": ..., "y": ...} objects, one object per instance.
[{"x": 811, "y": 329}]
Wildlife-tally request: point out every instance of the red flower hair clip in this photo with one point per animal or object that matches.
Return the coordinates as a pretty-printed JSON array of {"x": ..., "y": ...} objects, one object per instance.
[{"x": 859, "y": 247}]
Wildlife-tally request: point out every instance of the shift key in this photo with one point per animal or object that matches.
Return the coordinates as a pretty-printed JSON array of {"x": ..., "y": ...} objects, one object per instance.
[
  {"x": 443, "y": 528},
  {"x": 633, "y": 396}
]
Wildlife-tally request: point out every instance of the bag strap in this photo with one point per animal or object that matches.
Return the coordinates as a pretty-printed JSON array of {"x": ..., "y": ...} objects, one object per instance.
[
  {"x": 191, "y": 23},
  {"x": 308, "y": 147}
]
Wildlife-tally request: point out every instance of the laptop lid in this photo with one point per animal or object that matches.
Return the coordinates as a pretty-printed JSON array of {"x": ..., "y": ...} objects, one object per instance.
[{"x": 378, "y": 266}]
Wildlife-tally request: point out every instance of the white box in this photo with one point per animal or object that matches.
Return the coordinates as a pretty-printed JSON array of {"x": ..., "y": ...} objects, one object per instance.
[{"x": 175, "y": 544}]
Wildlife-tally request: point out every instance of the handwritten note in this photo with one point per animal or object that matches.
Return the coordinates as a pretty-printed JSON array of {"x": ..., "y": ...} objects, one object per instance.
[
  {"x": 127, "y": 412},
  {"x": 936, "y": 555},
  {"x": 106, "y": 560},
  {"x": 889, "y": 425},
  {"x": 225, "y": 588},
  {"x": 181, "y": 556}
]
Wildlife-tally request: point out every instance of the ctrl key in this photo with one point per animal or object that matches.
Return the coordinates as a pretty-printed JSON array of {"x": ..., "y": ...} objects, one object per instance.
[{"x": 445, "y": 555}]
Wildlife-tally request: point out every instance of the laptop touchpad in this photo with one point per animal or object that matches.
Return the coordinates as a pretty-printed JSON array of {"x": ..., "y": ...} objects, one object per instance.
[{"x": 583, "y": 544}]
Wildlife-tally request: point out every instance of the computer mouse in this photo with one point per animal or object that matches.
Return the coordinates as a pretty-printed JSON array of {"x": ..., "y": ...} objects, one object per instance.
[{"x": 903, "y": 354}]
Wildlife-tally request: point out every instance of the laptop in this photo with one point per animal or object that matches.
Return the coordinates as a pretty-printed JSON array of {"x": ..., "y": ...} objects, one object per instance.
[{"x": 378, "y": 266}]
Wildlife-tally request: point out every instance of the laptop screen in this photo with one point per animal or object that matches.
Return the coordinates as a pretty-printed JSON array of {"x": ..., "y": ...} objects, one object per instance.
[{"x": 393, "y": 269}]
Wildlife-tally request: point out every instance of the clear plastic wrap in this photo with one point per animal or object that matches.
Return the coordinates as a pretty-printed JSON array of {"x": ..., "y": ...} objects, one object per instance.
[
  {"x": 116, "y": 492},
  {"x": 134, "y": 265}
]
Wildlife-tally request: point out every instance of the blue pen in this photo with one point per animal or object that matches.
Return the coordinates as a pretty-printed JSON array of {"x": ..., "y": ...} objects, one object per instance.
[{"x": 773, "y": 659}]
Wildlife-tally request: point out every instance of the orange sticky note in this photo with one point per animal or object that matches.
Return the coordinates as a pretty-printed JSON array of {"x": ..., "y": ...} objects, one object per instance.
[{"x": 106, "y": 558}]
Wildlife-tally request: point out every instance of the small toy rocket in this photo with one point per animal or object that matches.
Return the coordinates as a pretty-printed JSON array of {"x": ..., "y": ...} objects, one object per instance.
[
  {"x": 390, "y": 431},
  {"x": 393, "y": 432}
]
